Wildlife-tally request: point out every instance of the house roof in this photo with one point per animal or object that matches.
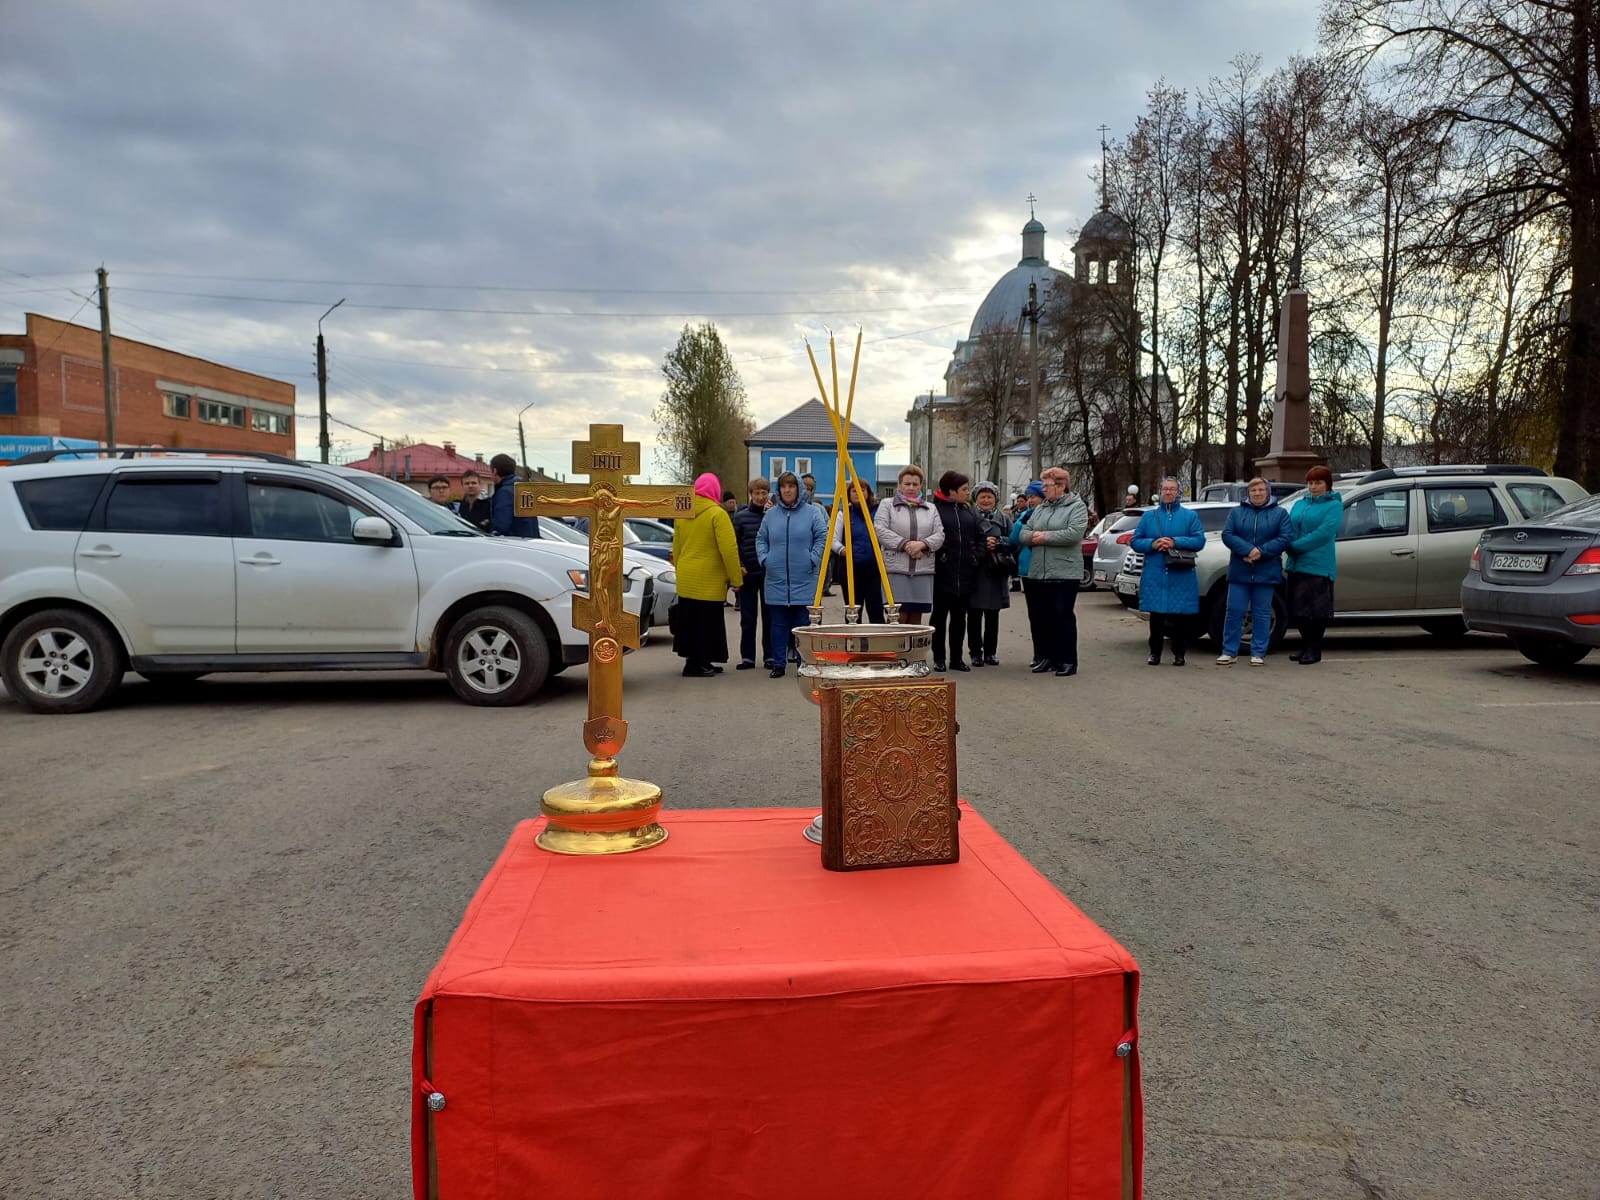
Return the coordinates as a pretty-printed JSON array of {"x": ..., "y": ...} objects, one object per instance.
[
  {"x": 808, "y": 425},
  {"x": 426, "y": 459}
]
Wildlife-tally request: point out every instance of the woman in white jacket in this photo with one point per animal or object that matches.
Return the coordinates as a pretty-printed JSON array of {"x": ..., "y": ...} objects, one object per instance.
[{"x": 909, "y": 530}]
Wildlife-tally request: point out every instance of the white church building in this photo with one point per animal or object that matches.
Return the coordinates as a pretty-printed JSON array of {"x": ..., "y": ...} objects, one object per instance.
[{"x": 981, "y": 424}]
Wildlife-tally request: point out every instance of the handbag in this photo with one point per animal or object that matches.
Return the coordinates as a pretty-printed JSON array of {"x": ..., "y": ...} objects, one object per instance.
[
  {"x": 1003, "y": 560},
  {"x": 1177, "y": 560}
]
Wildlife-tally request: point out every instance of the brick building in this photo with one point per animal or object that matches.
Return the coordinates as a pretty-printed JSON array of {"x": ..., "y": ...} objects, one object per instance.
[{"x": 51, "y": 386}]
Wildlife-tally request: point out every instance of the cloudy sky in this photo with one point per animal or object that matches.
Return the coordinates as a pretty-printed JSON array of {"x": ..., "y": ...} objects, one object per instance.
[{"x": 522, "y": 203}]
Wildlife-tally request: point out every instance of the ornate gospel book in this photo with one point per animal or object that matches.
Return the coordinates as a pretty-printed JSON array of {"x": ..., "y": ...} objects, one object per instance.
[{"x": 889, "y": 775}]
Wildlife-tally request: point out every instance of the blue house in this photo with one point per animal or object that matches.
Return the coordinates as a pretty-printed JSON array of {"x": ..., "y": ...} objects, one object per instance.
[{"x": 802, "y": 441}]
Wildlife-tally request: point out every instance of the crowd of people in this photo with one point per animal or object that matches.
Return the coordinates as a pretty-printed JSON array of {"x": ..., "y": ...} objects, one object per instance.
[
  {"x": 492, "y": 514},
  {"x": 954, "y": 556}
]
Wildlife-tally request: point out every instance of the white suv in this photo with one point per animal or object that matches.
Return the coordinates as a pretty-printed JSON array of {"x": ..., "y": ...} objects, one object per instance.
[{"x": 185, "y": 564}]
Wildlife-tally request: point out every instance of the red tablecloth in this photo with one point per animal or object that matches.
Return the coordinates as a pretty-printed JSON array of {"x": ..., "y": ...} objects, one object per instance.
[{"x": 721, "y": 1017}]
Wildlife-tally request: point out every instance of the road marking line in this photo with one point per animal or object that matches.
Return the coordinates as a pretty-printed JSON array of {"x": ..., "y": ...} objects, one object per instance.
[{"x": 1542, "y": 704}]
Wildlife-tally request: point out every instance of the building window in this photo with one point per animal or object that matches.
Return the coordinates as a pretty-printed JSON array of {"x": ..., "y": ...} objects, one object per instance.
[
  {"x": 1111, "y": 271},
  {"x": 779, "y": 466},
  {"x": 8, "y": 391},
  {"x": 266, "y": 422},
  {"x": 214, "y": 412},
  {"x": 802, "y": 466},
  {"x": 175, "y": 404}
]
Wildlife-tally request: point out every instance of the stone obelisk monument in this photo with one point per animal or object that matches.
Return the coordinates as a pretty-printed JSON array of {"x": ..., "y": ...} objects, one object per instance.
[{"x": 1291, "y": 455}]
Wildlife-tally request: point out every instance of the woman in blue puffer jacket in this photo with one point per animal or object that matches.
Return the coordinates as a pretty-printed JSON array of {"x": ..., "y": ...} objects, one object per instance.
[
  {"x": 1257, "y": 534},
  {"x": 789, "y": 545},
  {"x": 1315, "y": 524},
  {"x": 1168, "y": 596}
]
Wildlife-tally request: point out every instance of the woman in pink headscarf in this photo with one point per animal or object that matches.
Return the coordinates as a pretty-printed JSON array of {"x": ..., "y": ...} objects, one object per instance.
[{"x": 706, "y": 555}]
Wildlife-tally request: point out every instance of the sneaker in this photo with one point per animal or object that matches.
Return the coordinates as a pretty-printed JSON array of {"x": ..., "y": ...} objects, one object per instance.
[
  {"x": 1257, "y": 661},
  {"x": 1224, "y": 660}
]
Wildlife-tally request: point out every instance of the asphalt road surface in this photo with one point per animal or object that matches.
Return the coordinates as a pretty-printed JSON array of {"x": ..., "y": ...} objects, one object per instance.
[{"x": 1363, "y": 894}]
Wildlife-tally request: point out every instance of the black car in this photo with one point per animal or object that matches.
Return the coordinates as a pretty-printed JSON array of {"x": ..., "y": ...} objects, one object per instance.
[{"x": 1539, "y": 584}]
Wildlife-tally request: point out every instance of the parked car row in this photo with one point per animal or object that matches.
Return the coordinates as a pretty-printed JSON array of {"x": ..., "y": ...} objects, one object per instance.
[
  {"x": 1406, "y": 541},
  {"x": 183, "y": 565}
]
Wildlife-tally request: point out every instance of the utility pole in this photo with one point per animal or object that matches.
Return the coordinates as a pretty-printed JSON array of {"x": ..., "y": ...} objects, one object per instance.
[
  {"x": 1032, "y": 315},
  {"x": 322, "y": 386},
  {"x": 105, "y": 362},
  {"x": 522, "y": 438}
]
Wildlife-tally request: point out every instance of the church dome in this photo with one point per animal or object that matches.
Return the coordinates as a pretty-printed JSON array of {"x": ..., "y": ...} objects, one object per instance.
[
  {"x": 1009, "y": 296},
  {"x": 1105, "y": 226}
]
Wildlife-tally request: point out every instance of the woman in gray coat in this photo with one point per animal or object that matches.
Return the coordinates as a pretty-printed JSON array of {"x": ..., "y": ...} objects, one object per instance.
[{"x": 993, "y": 591}]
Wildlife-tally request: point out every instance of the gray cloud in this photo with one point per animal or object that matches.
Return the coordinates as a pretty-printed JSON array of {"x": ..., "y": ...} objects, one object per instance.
[{"x": 844, "y": 161}]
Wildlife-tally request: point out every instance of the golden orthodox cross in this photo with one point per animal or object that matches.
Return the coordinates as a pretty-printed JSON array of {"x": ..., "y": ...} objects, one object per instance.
[{"x": 607, "y": 460}]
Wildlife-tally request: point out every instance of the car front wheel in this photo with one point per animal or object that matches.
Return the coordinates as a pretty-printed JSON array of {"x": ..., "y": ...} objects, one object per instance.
[
  {"x": 1550, "y": 653},
  {"x": 61, "y": 661},
  {"x": 496, "y": 657}
]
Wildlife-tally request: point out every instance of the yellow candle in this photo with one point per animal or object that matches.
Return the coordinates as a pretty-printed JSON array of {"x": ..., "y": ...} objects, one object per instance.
[{"x": 848, "y": 467}]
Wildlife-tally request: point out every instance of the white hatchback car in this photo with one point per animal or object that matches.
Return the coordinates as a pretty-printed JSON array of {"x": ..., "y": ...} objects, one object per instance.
[{"x": 186, "y": 564}]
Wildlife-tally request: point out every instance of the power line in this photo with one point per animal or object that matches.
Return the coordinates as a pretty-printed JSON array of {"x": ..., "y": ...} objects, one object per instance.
[
  {"x": 532, "y": 312},
  {"x": 550, "y": 291}
]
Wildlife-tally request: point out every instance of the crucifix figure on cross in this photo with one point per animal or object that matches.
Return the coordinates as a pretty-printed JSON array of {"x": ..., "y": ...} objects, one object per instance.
[{"x": 607, "y": 460}]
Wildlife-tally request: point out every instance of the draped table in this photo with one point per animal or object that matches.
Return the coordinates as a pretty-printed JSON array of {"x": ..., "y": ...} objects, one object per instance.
[{"x": 722, "y": 1017}]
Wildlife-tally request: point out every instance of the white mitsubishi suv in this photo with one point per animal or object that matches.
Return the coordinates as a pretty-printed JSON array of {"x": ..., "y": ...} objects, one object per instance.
[{"x": 182, "y": 564}]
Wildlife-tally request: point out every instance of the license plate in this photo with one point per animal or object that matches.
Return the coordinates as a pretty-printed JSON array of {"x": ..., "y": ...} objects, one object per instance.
[
  {"x": 1517, "y": 562},
  {"x": 1126, "y": 586},
  {"x": 1099, "y": 576}
]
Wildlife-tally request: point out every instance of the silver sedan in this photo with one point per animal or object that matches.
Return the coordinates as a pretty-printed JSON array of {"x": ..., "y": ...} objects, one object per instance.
[{"x": 1114, "y": 548}]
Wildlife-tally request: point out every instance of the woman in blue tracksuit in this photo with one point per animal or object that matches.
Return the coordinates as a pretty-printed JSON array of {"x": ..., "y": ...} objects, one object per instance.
[
  {"x": 789, "y": 546},
  {"x": 1168, "y": 597},
  {"x": 1257, "y": 534}
]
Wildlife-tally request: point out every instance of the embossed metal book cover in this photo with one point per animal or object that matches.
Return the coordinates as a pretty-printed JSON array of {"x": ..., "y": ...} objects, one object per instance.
[{"x": 889, "y": 775}]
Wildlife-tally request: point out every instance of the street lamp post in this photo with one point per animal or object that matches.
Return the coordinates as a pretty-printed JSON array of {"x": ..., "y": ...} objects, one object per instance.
[{"x": 322, "y": 386}]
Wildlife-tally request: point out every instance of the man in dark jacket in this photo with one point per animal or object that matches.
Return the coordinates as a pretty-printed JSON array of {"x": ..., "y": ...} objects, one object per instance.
[
  {"x": 955, "y": 570},
  {"x": 503, "y": 518},
  {"x": 746, "y": 524},
  {"x": 474, "y": 506}
]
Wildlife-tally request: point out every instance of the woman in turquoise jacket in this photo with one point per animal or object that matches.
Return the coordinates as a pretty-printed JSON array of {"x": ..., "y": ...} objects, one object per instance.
[{"x": 1314, "y": 524}]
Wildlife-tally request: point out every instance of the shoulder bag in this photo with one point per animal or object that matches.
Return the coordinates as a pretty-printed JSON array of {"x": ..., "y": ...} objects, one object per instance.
[{"x": 1177, "y": 560}]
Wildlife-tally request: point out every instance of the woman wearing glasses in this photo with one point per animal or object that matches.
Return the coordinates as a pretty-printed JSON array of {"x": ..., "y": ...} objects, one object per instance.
[{"x": 1169, "y": 595}]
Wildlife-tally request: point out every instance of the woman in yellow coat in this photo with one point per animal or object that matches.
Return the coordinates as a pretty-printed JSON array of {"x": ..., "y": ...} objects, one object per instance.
[{"x": 706, "y": 555}]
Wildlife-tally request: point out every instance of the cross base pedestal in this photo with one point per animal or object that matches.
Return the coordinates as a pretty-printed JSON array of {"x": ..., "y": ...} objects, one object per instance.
[{"x": 603, "y": 814}]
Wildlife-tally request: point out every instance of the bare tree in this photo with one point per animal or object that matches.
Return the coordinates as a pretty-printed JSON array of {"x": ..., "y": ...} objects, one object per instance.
[
  {"x": 1516, "y": 79},
  {"x": 1392, "y": 188},
  {"x": 990, "y": 383},
  {"x": 1146, "y": 186}
]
